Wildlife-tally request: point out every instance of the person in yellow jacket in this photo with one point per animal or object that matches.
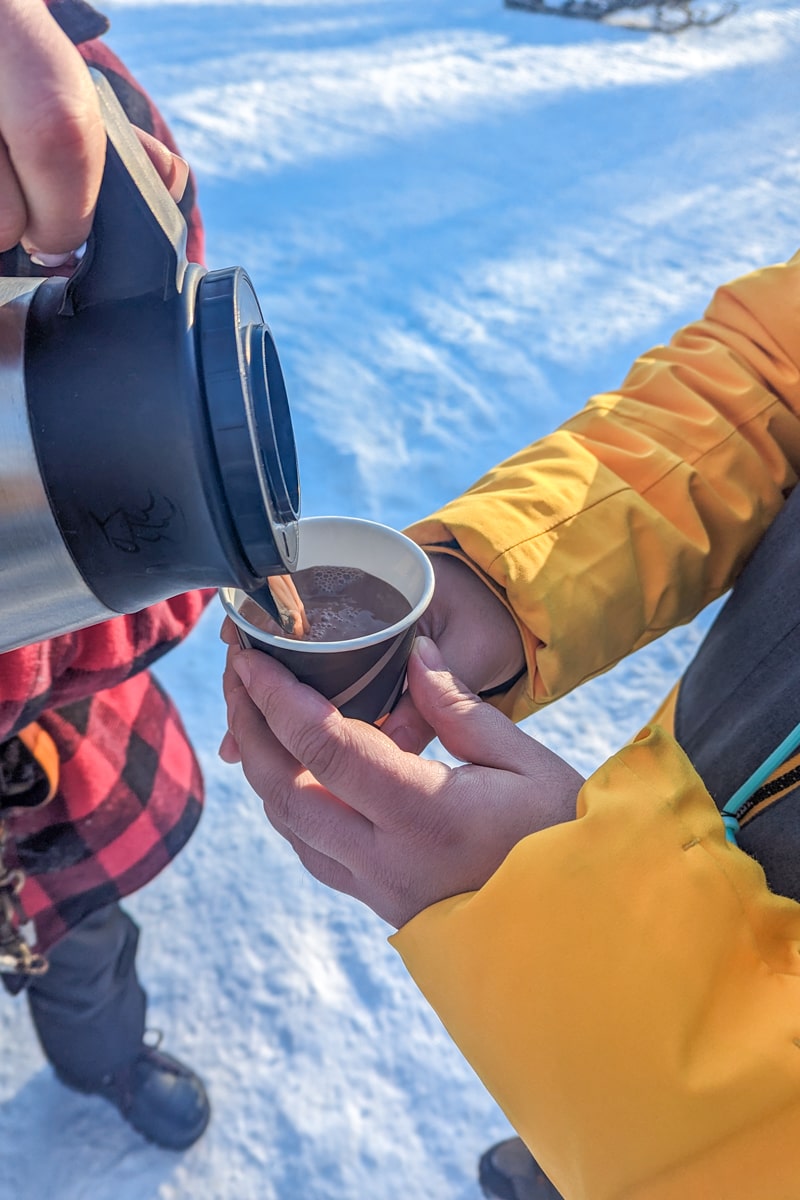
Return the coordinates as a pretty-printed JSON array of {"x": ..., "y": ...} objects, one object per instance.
[{"x": 616, "y": 968}]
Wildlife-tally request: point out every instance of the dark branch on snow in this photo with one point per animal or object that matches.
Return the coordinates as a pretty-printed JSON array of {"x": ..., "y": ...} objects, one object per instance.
[{"x": 660, "y": 16}]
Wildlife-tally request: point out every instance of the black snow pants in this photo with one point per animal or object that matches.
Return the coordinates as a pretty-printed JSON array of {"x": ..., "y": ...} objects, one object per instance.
[
  {"x": 740, "y": 698},
  {"x": 88, "y": 1009}
]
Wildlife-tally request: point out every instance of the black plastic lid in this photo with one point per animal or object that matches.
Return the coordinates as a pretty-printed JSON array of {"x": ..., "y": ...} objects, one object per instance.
[{"x": 250, "y": 420}]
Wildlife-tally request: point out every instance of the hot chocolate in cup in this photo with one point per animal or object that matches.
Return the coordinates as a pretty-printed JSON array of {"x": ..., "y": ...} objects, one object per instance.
[{"x": 361, "y": 675}]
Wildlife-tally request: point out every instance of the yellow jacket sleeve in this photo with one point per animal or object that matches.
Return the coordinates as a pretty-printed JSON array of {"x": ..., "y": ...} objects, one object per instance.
[
  {"x": 629, "y": 990},
  {"x": 640, "y": 510}
]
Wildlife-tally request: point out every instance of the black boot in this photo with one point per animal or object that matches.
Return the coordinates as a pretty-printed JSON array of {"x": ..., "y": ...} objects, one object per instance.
[
  {"x": 508, "y": 1171},
  {"x": 160, "y": 1097}
]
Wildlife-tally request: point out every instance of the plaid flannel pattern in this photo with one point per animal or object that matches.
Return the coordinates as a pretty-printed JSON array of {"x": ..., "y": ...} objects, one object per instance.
[
  {"x": 130, "y": 790},
  {"x": 129, "y": 798}
]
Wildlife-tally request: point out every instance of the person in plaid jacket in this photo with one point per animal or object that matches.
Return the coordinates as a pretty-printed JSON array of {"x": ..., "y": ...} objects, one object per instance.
[{"x": 99, "y": 786}]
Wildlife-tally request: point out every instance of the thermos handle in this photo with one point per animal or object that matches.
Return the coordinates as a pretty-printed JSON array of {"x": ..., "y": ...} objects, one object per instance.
[{"x": 137, "y": 245}]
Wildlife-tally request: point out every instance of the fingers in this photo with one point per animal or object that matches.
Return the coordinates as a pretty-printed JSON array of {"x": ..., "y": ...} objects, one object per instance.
[
  {"x": 406, "y": 727},
  {"x": 467, "y": 727},
  {"x": 265, "y": 760},
  {"x": 477, "y": 733},
  {"x": 13, "y": 209},
  {"x": 477, "y": 637},
  {"x": 229, "y": 634},
  {"x": 352, "y": 760},
  {"x": 324, "y": 868},
  {"x": 394, "y": 830},
  {"x": 297, "y": 804},
  {"x": 52, "y": 133},
  {"x": 172, "y": 169},
  {"x": 52, "y": 138},
  {"x": 231, "y": 685},
  {"x": 229, "y": 749}
]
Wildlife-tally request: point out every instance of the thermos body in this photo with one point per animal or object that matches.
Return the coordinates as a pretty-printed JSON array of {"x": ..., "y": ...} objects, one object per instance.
[
  {"x": 146, "y": 443},
  {"x": 41, "y": 589}
]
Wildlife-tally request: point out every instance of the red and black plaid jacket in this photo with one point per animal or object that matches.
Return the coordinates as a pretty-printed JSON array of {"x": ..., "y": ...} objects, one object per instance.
[{"x": 130, "y": 790}]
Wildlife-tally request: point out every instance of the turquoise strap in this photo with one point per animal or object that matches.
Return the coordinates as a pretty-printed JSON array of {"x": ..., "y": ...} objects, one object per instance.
[
  {"x": 759, "y": 776},
  {"x": 732, "y": 827}
]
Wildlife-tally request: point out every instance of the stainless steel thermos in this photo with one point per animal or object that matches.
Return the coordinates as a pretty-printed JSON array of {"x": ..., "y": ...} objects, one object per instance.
[{"x": 146, "y": 443}]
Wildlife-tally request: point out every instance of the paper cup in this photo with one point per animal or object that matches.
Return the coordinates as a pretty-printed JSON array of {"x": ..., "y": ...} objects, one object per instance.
[{"x": 362, "y": 676}]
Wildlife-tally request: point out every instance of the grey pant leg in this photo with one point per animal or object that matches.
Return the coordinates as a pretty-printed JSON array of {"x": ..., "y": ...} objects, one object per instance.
[{"x": 89, "y": 1008}]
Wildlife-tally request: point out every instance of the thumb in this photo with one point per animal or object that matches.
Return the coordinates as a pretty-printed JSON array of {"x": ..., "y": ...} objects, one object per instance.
[
  {"x": 467, "y": 727},
  {"x": 173, "y": 170}
]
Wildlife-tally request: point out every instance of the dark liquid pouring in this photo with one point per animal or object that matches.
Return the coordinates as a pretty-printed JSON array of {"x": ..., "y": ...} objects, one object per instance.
[{"x": 340, "y": 603}]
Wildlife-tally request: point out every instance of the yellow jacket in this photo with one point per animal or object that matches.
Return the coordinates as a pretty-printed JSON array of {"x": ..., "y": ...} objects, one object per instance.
[{"x": 626, "y": 985}]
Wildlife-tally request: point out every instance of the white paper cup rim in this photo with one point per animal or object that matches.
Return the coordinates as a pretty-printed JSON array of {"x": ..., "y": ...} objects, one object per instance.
[{"x": 229, "y": 595}]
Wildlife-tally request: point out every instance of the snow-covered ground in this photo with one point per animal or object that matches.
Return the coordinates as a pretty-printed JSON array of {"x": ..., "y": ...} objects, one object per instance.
[{"x": 461, "y": 221}]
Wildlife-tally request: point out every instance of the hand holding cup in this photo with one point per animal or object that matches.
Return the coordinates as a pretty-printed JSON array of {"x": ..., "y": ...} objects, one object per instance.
[
  {"x": 367, "y": 818},
  {"x": 358, "y": 665}
]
